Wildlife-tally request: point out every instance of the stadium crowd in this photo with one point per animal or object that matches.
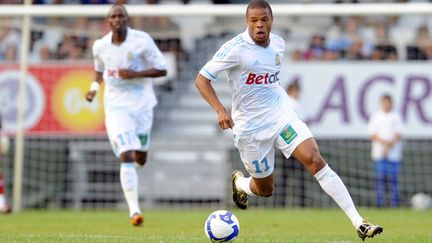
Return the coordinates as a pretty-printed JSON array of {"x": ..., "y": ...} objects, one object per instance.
[{"x": 308, "y": 38}]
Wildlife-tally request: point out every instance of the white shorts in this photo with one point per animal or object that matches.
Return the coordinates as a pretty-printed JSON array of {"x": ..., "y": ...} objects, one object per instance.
[
  {"x": 257, "y": 149},
  {"x": 129, "y": 131}
]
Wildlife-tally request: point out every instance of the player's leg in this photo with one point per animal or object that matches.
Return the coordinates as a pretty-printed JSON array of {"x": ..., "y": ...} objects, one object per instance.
[
  {"x": 296, "y": 139},
  {"x": 129, "y": 183},
  {"x": 392, "y": 176},
  {"x": 380, "y": 182},
  {"x": 262, "y": 187},
  {"x": 260, "y": 181},
  {"x": 144, "y": 123},
  {"x": 121, "y": 132},
  {"x": 308, "y": 154},
  {"x": 141, "y": 157}
]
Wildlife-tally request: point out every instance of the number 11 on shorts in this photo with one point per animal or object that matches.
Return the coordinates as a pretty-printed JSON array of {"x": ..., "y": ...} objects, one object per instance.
[
  {"x": 124, "y": 138},
  {"x": 257, "y": 165}
]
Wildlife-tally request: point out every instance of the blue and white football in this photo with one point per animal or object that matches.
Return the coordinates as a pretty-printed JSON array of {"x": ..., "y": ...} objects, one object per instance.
[{"x": 222, "y": 226}]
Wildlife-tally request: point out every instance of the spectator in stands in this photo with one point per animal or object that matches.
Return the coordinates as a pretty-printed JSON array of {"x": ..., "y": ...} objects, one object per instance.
[
  {"x": 418, "y": 50},
  {"x": 296, "y": 55},
  {"x": 10, "y": 40},
  {"x": 355, "y": 52},
  {"x": 10, "y": 53},
  {"x": 70, "y": 49},
  {"x": 316, "y": 48},
  {"x": 330, "y": 55},
  {"x": 348, "y": 39},
  {"x": 385, "y": 129},
  {"x": 384, "y": 48}
]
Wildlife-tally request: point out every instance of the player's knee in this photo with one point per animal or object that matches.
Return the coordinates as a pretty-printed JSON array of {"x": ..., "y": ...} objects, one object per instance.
[
  {"x": 128, "y": 187},
  {"x": 316, "y": 162},
  {"x": 141, "y": 158},
  {"x": 265, "y": 191},
  {"x": 127, "y": 156}
]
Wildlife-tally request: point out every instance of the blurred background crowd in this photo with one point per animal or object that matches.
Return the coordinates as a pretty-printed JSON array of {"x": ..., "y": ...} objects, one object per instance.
[{"x": 307, "y": 38}]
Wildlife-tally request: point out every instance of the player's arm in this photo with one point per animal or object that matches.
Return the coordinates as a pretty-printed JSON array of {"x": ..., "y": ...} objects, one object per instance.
[
  {"x": 149, "y": 73},
  {"x": 208, "y": 93},
  {"x": 396, "y": 138},
  {"x": 376, "y": 138},
  {"x": 99, "y": 68},
  {"x": 151, "y": 55},
  {"x": 94, "y": 87},
  {"x": 372, "y": 130}
]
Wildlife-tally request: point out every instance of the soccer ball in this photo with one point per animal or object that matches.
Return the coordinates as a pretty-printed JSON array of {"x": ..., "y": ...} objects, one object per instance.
[
  {"x": 421, "y": 201},
  {"x": 222, "y": 226}
]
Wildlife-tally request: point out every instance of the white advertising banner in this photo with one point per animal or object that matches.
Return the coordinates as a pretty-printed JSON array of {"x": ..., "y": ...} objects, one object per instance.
[{"x": 338, "y": 98}]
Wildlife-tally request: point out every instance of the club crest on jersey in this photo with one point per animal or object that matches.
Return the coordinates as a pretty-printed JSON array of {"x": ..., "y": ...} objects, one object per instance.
[
  {"x": 267, "y": 78},
  {"x": 277, "y": 59},
  {"x": 129, "y": 56}
]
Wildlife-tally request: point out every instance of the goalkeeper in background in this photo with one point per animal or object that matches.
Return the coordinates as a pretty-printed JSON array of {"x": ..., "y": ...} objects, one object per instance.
[
  {"x": 4, "y": 147},
  {"x": 127, "y": 59}
]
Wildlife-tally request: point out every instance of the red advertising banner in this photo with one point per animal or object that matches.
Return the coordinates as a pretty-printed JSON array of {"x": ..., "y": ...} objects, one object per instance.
[{"x": 55, "y": 100}]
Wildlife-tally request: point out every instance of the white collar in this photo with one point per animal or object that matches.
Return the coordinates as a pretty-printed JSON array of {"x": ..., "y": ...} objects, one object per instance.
[{"x": 128, "y": 35}]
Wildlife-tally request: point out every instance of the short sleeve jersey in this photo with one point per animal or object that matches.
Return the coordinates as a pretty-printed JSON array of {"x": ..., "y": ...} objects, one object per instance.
[
  {"x": 258, "y": 100},
  {"x": 387, "y": 126},
  {"x": 138, "y": 52}
]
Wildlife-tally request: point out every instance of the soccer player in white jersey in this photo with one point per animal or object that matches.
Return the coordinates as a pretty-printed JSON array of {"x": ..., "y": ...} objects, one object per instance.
[
  {"x": 126, "y": 59},
  {"x": 262, "y": 118}
]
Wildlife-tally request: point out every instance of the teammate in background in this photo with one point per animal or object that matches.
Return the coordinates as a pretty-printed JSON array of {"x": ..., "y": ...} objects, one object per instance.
[
  {"x": 4, "y": 207},
  {"x": 126, "y": 59},
  {"x": 385, "y": 128},
  {"x": 262, "y": 118}
]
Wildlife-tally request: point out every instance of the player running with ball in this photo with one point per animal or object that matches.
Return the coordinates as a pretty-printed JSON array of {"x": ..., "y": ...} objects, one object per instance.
[
  {"x": 262, "y": 118},
  {"x": 125, "y": 59}
]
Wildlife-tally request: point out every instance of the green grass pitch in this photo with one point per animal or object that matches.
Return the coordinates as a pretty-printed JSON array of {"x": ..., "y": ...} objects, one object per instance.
[{"x": 256, "y": 225}]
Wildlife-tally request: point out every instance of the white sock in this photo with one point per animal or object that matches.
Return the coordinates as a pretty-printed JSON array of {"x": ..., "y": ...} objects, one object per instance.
[
  {"x": 335, "y": 188},
  {"x": 129, "y": 183},
  {"x": 243, "y": 184}
]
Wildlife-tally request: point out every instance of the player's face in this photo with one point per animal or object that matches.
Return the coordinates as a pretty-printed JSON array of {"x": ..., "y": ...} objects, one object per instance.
[
  {"x": 386, "y": 105},
  {"x": 259, "y": 22},
  {"x": 117, "y": 19}
]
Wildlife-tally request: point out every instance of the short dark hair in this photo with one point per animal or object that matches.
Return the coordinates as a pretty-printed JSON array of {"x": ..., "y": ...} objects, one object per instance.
[
  {"x": 121, "y": 6},
  {"x": 259, "y": 4},
  {"x": 295, "y": 84},
  {"x": 387, "y": 97}
]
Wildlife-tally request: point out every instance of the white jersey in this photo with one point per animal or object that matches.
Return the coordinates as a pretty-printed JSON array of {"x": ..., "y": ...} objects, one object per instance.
[
  {"x": 297, "y": 107},
  {"x": 387, "y": 126},
  {"x": 138, "y": 52},
  {"x": 258, "y": 100}
]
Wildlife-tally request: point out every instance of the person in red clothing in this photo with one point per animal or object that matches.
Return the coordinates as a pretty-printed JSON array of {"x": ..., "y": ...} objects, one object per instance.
[{"x": 4, "y": 207}]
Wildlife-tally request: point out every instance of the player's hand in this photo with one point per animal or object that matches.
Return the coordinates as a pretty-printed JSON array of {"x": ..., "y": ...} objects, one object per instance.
[
  {"x": 126, "y": 73},
  {"x": 225, "y": 120},
  {"x": 90, "y": 96}
]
